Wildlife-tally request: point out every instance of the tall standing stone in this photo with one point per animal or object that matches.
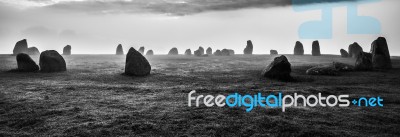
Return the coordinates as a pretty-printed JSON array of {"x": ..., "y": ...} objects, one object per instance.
[
  {"x": 26, "y": 64},
  {"x": 20, "y": 47},
  {"x": 209, "y": 51},
  {"x": 33, "y": 51},
  {"x": 380, "y": 54},
  {"x": 67, "y": 50},
  {"x": 298, "y": 48},
  {"x": 316, "y": 49},
  {"x": 173, "y": 51},
  {"x": 120, "y": 50},
  {"x": 354, "y": 50},
  {"x": 344, "y": 53},
  {"x": 141, "y": 50},
  {"x": 136, "y": 64},
  {"x": 52, "y": 61},
  {"x": 249, "y": 48}
]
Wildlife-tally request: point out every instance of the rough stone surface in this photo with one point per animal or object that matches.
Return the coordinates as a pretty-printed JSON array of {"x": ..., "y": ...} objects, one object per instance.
[
  {"x": 280, "y": 68},
  {"x": 316, "y": 49},
  {"x": 218, "y": 53},
  {"x": 298, "y": 48},
  {"x": 273, "y": 52},
  {"x": 380, "y": 54},
  {"x": 342, "y": 67},
  {"x": 67, "y": 50},
  {"x": 52, "y": 61},
  {"x": 26, "y": 64},
  {"x": 344, "y": 53},
  {"x": 188, "y": 52},
  {"x": 21, "y": 47},
  {"x": 322, "y": 70},
  {"x": 120, "y": 50},
  {"x": 354, "y": 50},
  {"x": 209, "y": 51},
  {"x": 249, "y": 48},
  {"x": 136, "y": 64},
  {"x": 33, "y": 51},
  {"x": 173, "y": 51},
  {"x": 150, "y": 53},
  {"x": 364, "y": 61}
]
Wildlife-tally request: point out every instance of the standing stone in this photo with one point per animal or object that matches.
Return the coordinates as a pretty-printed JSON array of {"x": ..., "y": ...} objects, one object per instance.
[
  {"x": 120, "y": 50},
  {"x": 201, "y": 50},
  {"x": 273, "y": 52},
  {"x": 197, "y": 53},
  {"x": 298, "y": 48},
  {"x": 344, "y": 53},
  {"x": 173, "y": 51},
  {"x": 52, "y": 61},
  {"x": 33, "y": 51},
  {"x": 136, "y": 64},
  {"x": 188, "y": 52},
  {"x": 364, "y": 61},
  {"x": 26, "y": 64},
  {"x": 218, "y": 53},
  {"x": 249, "y": 48},
  {"x": 380, "y": 54},
  {"x": 141, "y": 50},
  {"x": 280, "y": 68},
  {"x": 209, "y": 51},
  {"x": 150, "y": 53},
  {"x": 231, "y": 52},
  {"x": 225, "y": 52},
  {"x": 316, "y": 49},
  {"x": 354, "y": 50},
  {"x": 20, "y": 47},
  {"x": 67, "y": 50}
]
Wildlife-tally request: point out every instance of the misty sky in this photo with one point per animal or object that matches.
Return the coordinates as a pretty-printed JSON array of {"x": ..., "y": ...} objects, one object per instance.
[{"x": 98, "y": 26}]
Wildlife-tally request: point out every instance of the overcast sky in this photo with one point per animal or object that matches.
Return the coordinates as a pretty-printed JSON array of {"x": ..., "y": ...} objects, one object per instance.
[{"x": 98, "y": 26}]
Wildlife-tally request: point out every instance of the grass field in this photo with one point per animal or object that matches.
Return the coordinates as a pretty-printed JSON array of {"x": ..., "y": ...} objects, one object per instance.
[{"x": 93, "y": 98}]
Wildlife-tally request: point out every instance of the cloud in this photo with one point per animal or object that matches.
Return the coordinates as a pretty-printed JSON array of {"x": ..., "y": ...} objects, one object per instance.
[{"x": 171, "y": 7}]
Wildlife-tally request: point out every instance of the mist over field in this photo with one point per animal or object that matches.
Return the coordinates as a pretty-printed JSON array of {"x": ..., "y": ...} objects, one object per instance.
[{"x": 97, "y": 27}]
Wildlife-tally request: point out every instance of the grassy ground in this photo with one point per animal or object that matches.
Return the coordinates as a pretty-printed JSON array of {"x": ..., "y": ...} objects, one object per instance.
[{"x": 93, "y": 98}]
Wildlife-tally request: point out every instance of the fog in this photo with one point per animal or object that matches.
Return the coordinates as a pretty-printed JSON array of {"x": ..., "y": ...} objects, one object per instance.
[{"x": 272, "y": 27}]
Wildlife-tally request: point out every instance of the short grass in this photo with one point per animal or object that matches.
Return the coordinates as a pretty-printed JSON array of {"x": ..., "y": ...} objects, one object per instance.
[{"x": 93, "y": 98}]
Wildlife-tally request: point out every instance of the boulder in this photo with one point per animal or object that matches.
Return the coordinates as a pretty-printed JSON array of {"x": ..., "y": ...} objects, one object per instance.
[
  {"x": 364, "y": 61},
  {"x": 344, "y": 53},
  {"x": 120, "y": 50},
  {"x": 231, "y": 52},
  {"x": 280, "y": 68},
  {"x": 173, "y": 51},
  {"x": 218, "y": 53},
  {"x": 273, "y": 52},
  {"x": 20, "y": 47},
  {"x": 322, "y": 70},
  {"x": 354, "y": 50},
  {"x": 52, "y": 61},
  {"x": 249, "y": 48},
  {"x": 188, "y": 52},
  {"x": 209, "y": 51},
  {"x": 342, "y": 67},
  {"x": 198, "y": 53},
  {"x": 141, "y": 50},
  {"x": 380, "y": 54},
  {"x": 26, "y": 64},
  {"x": 150, "y": 53},
  {"x": 67, "y": 50},
  {"x": 225, "y": 52},
  {"x": 136, "y": 64},
  {"x": 298, "y": 48},
  {"x": 33, "y": 51},
  {"x": 316, "y": 49}
]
